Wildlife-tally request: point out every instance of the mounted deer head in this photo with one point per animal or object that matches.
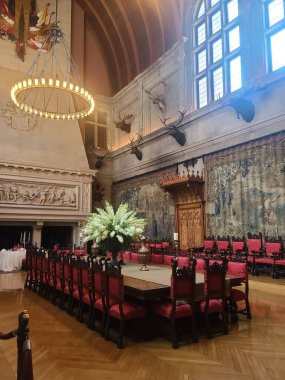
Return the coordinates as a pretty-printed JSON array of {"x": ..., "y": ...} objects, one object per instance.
[
  {"x": 244, "y": 108},
  {"x": 134, "y": 147},
  {"x": 172, "y": 128},
  {"x": 98, "y": 159},
  {"x": 158, "y": 99},
  {"x": 125, "y": 123}
]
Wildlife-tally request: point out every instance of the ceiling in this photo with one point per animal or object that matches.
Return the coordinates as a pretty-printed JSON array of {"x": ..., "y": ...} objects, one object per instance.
[{"x": 132, "y": 34}]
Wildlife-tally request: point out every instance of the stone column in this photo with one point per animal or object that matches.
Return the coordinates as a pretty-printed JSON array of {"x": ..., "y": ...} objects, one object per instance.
[{"x": 37, "y": 233}]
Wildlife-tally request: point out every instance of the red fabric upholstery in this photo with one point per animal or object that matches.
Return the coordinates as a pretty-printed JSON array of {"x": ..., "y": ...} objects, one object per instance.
[
  {"x": 86, "y": 299},
  {"x": 280, "y": 262},
  {"x": 165, "y": 244},
  {"x": 237, "y": 295},
  {"x": 253, "y": 245},
  {"x": 135, "y": 257},
  {"x": 238, "y": 245},
  {"x": 156, "y": 259},
  {"x": 99, "y": 281},
  {"x": 180, "y": 288},
  {"x": 222, "y": 244},
  {"x": 264, "y": 260},
  {"x": 127, "y": 255},
  {"x": 164, "y": 309},
  {"x": 76, "y": 294},
  {"x": 200, "y": 265},
  {"x": 116, "y": 287},
  {"x": 183, "y": 261},
  {"x": 167, "y": 259},
  {"x": 79, "y": 252},
  {"x": 99, "y": 303},
  {"x": 272, "y": 248},
  {"x": 215, "y": 306},
  {"x": 158, "y": 246},
  {"x": 58, "y": 286},
  {"x": 130, "y": 311},
  {"x": 239, "y": 269},
  {"x": 208, "y": 244}
]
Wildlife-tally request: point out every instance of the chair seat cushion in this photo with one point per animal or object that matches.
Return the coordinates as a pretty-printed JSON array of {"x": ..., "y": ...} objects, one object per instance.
[
  {"x": 237, "y": 295},
  {"x": 58, "y": 286},
  {"x": 215, "y": 306},
  {"x": 86, "y": 299},
  {"x": 164, "y": 309},
  {"x": 76, "y": 294},
  {"x": 280, "y": 262},
  {"x": 264, "y": 260},
  {"x": 130, "y": 311}
]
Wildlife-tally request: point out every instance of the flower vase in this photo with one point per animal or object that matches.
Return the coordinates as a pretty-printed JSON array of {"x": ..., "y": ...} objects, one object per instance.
[{"x": 144, "y": 255}]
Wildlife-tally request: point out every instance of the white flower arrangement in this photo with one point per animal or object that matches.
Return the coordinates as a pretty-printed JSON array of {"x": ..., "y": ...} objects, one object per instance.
[{"x": 113, "y": 231}]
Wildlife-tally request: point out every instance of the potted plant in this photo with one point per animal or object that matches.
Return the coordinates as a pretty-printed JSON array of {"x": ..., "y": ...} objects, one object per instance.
[{"x": 113, "y": 231}]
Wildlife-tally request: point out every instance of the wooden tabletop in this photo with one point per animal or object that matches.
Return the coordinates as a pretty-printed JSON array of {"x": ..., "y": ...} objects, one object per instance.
[{"x": 155, "y": 283}]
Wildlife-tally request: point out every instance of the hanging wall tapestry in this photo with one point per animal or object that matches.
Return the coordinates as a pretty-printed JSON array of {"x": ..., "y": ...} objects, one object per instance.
[
  {"x": 144, "y": 195},
  {"x": 20, "y": 22},
  {"x": 246, "y": 189}
]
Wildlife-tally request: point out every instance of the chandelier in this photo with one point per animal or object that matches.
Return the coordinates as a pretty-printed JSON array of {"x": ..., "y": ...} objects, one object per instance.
[{"x": 52, "y": 86}]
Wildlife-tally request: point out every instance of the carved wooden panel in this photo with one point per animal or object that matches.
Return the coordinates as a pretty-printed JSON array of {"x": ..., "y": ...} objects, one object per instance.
[{"x": 190, "y": 221}]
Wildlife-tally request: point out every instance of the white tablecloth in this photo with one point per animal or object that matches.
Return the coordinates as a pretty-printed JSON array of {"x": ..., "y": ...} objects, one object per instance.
[{"x": 11, "y": 260}]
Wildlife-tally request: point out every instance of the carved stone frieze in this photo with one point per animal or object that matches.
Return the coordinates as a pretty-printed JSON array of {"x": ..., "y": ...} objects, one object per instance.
[
  {"x": 86, "y": 197},
  {"x": 15, "y": 118},
  {"x": 44, "y": 195}
]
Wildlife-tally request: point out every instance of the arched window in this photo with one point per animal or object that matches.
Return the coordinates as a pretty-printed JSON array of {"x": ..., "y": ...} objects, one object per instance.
[
  {"x": 275, "y": 33},
  {"x": 216, "y": 43}
]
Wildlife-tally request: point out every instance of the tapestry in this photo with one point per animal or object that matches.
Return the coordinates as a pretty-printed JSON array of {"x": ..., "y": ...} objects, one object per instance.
[
  {"x": 246, "y": 189},
  {"x": 144, "y": 195}
]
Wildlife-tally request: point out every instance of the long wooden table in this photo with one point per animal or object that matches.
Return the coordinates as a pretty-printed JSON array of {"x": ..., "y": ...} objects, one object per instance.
[{"x": 155, "y": 283}]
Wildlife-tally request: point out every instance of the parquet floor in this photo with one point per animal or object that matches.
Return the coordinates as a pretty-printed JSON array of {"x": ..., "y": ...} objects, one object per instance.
[{"x": 64, "y": 349}]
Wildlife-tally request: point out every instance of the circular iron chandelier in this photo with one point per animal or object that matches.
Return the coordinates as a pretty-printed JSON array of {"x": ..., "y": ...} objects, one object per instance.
[{"x": 52, "y": 87}]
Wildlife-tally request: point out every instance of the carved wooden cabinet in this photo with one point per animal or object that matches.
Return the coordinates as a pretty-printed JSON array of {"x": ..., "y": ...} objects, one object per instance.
[{"x": 188, "y": 197}]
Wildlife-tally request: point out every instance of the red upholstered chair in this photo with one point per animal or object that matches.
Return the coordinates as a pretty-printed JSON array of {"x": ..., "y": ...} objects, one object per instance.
[
  {"x": 239, "y": 267},
  {"x": 117, "y": 307},
  {"x": 238, "y": 244},
  {"x": 200, "y": 265},
  {"x": 157, "y": 258},
  {"x": 135, "y": 257},
  {"x": 268, "y": 263},
  {"x": 73, "y": 282},
  {"x": 223, "y": 243},
  {"x": 167, "y": 259},
  {"x": 98, "y": 290},
  {"x": 254, "y": 249},
  {"x": 79, "y": 252},
  {"x": 127, "y": 255},
  {"x": 183, "y": 261},
  {"x": 182, "y": 299},
  {"x": 165, "y": 244},
  {"x": 209, "y": 242},
  {"x": 214, "y": 294},
  {"x": 84, "y": 290},
  {"x": 57, "y": 268}
]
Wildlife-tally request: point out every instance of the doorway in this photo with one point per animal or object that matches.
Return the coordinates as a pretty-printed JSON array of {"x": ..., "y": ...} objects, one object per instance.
[
  {"x": 59, "y": 235},
  {"x": 11, "y": 236}
]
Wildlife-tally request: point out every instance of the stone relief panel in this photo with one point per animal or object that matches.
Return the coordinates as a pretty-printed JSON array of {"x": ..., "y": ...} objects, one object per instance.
[
  {"x": 86, "y": 197},
  {"x": 44, "y": 195},
  {"x": 246, "y": 189},
  {"x": 15, "y": 118}
]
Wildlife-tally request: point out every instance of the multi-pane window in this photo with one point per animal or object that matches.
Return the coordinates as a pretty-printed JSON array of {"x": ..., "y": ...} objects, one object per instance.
[
  {"x": 217, "y": 50},
  {"x": 275, "y": 33},
  {"x": 96, "y": 130}
]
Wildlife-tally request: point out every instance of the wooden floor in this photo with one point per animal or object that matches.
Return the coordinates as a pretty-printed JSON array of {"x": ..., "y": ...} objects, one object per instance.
[{"x": 64, "y": 349}]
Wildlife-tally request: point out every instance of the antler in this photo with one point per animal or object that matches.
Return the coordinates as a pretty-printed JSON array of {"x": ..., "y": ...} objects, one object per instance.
[
  {"x": 134, "y": 147},
  {"x": 172, "y": 128}
]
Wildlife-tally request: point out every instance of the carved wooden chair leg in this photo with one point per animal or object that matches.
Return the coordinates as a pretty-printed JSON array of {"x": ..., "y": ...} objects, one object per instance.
[
  {"x": 194, "y": 329},
  {"x": 120, "y": 342},
  {"x": 225, "y": 323},
  {"x": 174, "y": 334},
  {"x": 248, "y": 313},
  {"x": 107, "y": 327},
  {"x": 208, "y": 330}
]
